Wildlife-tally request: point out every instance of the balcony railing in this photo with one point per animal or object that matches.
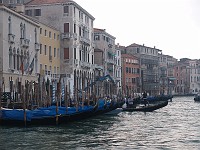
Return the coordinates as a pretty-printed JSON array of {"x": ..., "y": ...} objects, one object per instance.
[
  {"x": 75, "y": 36},
  {"x": 66, "y": 36},
  {"x": 25, "y": 42},
  {"x": 84, "y": 64},
  {"x": 84, "y": 40},
  {"x": 11, "y": 38},
  {"x": 111, "y": 61},
  {"x": 75, "y": 62}
]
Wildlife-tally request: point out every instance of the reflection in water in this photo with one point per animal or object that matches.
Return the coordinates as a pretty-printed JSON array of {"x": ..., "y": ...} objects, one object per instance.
[{"x": 176, "y": 126}]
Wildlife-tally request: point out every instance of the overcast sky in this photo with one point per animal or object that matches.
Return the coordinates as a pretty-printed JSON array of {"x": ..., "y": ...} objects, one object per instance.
[{"x": 173, "y": 26}]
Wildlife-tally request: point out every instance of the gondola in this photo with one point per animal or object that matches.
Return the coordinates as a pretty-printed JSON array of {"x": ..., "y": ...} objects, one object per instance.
[
  {"x": 197, "y": 97},
  {"x": 148, "y": 108},
  {"x": 48, "y": 115}
]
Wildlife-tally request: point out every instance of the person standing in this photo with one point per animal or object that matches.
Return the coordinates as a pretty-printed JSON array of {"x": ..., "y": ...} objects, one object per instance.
[{"x": 144, "y": 96}]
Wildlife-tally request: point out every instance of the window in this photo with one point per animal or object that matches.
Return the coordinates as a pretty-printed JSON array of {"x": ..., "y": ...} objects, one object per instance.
[
  {"x": 79, "y": 31},
  {"x": 50, "y": 51},
  {"x": 45, "y": 49},
  {"x": 45, "y": 33},
  {"x": 126, "y": 69},
  {"x": 40, "y": 30},
  {"x": 74, "y": 28},
  {"x": 66, "y": 9},
  {"x": 49, "y": 34},
  {"x": 10, "y": 57},
  {"x": 19, "y": 1},
  {"x": 45, "y": 68},
  {"x": 54, "y": 36},
  {"x": 40, "y": 48},
  {"x": 58, "y": 52},
  {"x": 74, "y": 53},
  {"x": 54, "y": 52},
  {"x": 66, "y": 53},
  {"x": 28, "y": 12},
  {"x": 74, "y": 11},
  {"x": 66, "y": 27},
  {"x": 11, "y": 2},
  {"x": 37, "y": 12},
  {"x": 96, "y": 37},
  {"x": 9, "y": 25}
]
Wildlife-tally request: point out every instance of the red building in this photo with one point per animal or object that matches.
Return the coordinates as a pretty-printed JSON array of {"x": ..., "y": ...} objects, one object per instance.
[{"x": 130, "y": 74}]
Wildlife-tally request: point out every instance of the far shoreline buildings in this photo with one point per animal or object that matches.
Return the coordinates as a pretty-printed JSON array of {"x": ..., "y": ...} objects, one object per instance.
[{"x": 62, "y": 42}]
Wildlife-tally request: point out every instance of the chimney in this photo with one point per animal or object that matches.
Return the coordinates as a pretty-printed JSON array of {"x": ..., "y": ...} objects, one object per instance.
[{"x": 20, "y": 8}]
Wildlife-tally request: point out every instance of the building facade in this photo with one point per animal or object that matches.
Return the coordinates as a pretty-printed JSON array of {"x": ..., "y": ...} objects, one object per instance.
[
  {"x": 194, "y": 66},
  {"x": 49, "y": 53},
  {"x": 76, "y": 27},
  {"x": 149, "y": 63},
  {"x": 18, "y": 48},
  {"x": 166, "y": 73},
  {"x": 105, "y": 52},
  {"x": 130, "y": 75}
]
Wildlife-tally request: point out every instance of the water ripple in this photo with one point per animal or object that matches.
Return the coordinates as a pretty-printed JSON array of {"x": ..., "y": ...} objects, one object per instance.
[{"x": 174, "y": 127}]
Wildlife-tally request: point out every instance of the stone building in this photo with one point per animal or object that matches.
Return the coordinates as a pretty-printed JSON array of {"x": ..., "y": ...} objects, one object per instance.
[
  {"x": 108, "y": 55},
  {"x": 130, "y": 75},
  {"x": 18, "y": 47},
  {"x": 76, "y": 27},
  {"x": 105, "y": 52},
  {"x": 166, "y": 73},
  {"x": 149, "y": 63}
]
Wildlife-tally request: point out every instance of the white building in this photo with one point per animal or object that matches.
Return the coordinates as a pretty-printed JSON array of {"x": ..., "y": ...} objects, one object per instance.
[
  {"x": 76, "y": 27},
  {"x": 18, "y": 43},
  {"x": 194, "y": 76}
]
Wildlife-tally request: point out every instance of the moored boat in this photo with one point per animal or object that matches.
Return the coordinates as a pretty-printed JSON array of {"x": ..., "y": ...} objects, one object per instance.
[
  {"x": 197, "y": 97},
  {"x": 49, "y": 115},
  {"x": 146, "y": 108}
]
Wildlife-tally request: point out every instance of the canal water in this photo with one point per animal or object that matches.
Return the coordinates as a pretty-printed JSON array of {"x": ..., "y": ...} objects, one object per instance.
[{"x": 174, "y": 127}]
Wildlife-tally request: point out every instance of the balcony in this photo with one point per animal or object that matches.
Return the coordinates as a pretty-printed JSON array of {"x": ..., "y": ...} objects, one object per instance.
[
  {"x": 24, "y": 42},
  {"x": 96, "y": 66},
  {"x": 75, "y": 36},
  {"x": 75, "y": 62},
  {"x": 84, "y": 40},
  {"x": 66, "y": 36},
  {"x": 84, "y": 64},
  {"x": 110, "y": 61},
  {"x": 37, "y": 46},
  {"x": 11, "y": 38}
]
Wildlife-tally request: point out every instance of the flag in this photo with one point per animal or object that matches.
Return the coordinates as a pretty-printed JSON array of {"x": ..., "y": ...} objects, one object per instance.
[
  {"x": 31, "y": 67},
  {"x": 26, "y": 67}
]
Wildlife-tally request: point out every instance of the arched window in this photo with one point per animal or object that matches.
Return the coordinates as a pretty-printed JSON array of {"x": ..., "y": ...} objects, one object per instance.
[
  {"x": 21, "y": 31},
  {"x": 14, "y": 58},
  {"x": 18, "y": 59},
  {"x": 35, "y": 35},
  {"x": 10, "y": 57},
  {"x": 9, "y": 25},
  {"x": 24, "y": 33}
]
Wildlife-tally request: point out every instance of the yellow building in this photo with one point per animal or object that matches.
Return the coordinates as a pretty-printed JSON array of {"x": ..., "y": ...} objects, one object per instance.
[{"x": 49, "y": 54}]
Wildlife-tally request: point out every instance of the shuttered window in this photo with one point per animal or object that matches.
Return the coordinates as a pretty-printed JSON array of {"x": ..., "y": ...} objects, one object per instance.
[{"x": 66, "y": 27}]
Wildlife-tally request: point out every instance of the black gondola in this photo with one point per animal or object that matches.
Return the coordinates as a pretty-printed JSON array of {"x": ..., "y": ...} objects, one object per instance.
[{"x": 148, "y": 108}]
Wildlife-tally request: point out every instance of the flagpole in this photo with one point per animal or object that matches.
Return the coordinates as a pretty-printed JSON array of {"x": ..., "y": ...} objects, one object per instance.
[{"x": 24, "y": 105}]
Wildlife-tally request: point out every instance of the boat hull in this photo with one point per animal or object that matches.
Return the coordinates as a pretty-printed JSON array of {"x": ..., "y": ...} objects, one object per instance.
[{"x": 148, "y": 108}]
